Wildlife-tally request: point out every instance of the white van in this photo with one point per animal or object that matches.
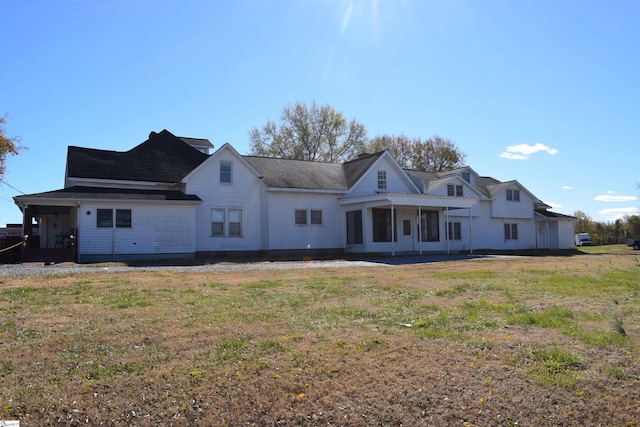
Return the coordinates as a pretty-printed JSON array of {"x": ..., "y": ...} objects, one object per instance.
[{"x": 583, "y": 239}]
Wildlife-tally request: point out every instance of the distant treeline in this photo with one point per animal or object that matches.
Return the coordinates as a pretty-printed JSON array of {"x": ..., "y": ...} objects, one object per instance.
[{"x": 608, "y": 233}]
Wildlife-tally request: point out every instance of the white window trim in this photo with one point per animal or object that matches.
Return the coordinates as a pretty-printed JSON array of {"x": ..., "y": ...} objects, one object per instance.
[
  {"x": 382, "y": 181},
  {"x": 307, "y": 217},
  {"x": 510, "y": 237},
  {"x": 513, "y": 193},
  {"x": 230, "y": 172},
  {"x": 226, "y": 222}
]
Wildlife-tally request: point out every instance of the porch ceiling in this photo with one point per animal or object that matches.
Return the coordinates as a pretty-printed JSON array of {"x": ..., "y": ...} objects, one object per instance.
[{"x": 42, "y": 210}]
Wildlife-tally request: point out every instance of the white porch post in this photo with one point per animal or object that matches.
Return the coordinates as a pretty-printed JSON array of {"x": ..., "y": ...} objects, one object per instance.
[
  {"x": 419, "y": 227},
  {"x": 446, "y": 227},
  {"x": 393, "y": 234},
  {"x": 470, "y": 234}
]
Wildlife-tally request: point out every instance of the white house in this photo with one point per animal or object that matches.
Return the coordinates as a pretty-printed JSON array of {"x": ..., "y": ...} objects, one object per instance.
[{"x": 169, "y": 198}]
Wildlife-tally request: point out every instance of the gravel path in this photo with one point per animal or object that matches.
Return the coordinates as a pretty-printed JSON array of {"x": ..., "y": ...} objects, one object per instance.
[{"x": 69, "y": 268}]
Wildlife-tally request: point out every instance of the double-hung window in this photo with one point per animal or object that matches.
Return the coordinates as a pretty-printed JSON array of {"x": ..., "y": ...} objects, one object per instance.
[
  {"x": 226, "y": 222},
  {"x": 308, "y": 216},
  {"x": 104, "y": 218},
  {"x": 513, "y": 195},
  {"x": 454, "y": 231},
  {"x": 454, "y": 190},
  {"x": 225, "y": 172},
  {"x": 511, "y": 232},
  {"x": 382, "y": 180}
]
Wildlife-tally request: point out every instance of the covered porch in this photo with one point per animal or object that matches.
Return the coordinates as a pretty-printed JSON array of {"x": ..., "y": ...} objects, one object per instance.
[
  {"x": 50, "y": 230},
  {"x": 408, "y": 223}
]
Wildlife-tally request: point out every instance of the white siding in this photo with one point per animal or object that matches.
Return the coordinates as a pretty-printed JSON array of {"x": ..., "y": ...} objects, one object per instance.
[
  {"x": 396, "y": 179},
  {"x": 488, "y": 232},
  {"x": 285, "y": 234},
  {"x": 510, "y": 209},
  {"x": 244, "y": 192},
  {"x": 155, "y": 229}
]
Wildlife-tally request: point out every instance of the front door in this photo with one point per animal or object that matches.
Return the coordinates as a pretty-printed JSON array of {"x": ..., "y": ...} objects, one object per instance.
[{"x": 406, "y": 233}]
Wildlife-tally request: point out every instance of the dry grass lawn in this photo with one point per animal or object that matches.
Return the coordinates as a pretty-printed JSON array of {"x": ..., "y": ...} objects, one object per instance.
[{"x": 540, "y": 341}]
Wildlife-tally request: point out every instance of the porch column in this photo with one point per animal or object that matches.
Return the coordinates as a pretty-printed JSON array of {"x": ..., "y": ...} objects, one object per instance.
[
  {"x": 446, "y": 227},
  {"x": 470, "y": 234},
  {"x": 419, "y": 227},
  {"x": 393, "y": 234},
  {"x": 27, "y": 228}
]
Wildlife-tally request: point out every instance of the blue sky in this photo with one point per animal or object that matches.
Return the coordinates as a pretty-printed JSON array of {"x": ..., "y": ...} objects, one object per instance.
[{"x": 543, "y": 91}]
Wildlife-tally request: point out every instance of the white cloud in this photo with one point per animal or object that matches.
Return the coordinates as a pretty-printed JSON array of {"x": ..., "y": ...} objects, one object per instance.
[
  {"x": 611, "y": 198},
  {"x": 553, "y": 205},
  {"x": 523, "y": 151},
  {"x": 614, "y": 214},
  {"x": 566, "y": 187}
]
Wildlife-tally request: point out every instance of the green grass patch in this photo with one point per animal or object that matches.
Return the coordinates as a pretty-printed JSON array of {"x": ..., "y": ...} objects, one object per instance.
[{"x": 553, "y": 366}]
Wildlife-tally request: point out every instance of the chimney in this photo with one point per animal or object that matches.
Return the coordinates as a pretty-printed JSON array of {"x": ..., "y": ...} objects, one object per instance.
[{"x": 152, "y": 134}]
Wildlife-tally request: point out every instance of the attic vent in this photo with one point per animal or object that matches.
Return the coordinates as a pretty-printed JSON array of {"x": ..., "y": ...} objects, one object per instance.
[{"x": 152, "y": 134}]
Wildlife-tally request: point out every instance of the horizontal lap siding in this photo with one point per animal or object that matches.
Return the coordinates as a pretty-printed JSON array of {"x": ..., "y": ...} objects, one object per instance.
[
  {"x": 155, "y": 229},
  {"x": 488, "y": 232},
  {"x": 285, "y": 234},
  {"x": 242, "y": 193}
]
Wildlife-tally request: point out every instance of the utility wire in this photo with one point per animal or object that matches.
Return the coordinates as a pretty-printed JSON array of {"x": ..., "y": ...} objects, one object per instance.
[{"x": 11, "y": 186}]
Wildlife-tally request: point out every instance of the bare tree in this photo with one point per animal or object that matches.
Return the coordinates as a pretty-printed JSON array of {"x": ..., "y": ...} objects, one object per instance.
[
  {"x": 318, "y": 133},
  {"x": 435, "y": 154}
]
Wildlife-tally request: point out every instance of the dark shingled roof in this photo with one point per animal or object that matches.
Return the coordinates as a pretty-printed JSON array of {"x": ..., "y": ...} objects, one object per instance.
[
  {"x": 549, "y": 214},
  {"x": 79, "y": 192},
  {"x": 286, "y": 173},
  {"x": 302, "y": 174},
  {"x": 162, "y": 158}
]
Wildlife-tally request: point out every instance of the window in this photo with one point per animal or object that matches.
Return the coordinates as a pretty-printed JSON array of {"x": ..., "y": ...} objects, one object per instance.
[
  {"x": 316, "y": 217},
  {"x": 466, "y": 176},
  {"x": 511, "y": 232},
  {"x": 123, "y": 218},
  {"x": 104, "y": 218},
  {"x": 406, "y": 227},
  {"x": 301, "y": 217},
  {"x": 454, "y": 190},
  {"x": 354, "y": 228},
  {"x": 429, "y": 227},
  {"x": 226, "y": 222},
  {"x": 308, "y": 216},
  {"x": 513, "y": 195},
  {"x": 217, "y": 222},
  {"x": 454, "y": 231},
  {"x": 382, "y": 225},
  {"x": 382, "y": 180},
  {"x": 225, "y": 172},
  {"x": 235, "y": 222}
]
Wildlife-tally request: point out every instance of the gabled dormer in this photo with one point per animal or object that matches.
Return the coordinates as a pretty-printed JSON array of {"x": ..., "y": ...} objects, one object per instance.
[
  {"x": 512, "y": 200},
  {"x": 377, "y": 173},
  {"x": 454, "y": 183}
]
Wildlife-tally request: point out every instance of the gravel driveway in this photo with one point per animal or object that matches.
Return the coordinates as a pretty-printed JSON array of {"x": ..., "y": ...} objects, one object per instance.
[{"x": 69, "y": 268}]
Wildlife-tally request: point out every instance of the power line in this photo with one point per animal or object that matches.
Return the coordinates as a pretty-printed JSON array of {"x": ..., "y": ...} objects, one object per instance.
[{"x": 11, "y": 186}]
